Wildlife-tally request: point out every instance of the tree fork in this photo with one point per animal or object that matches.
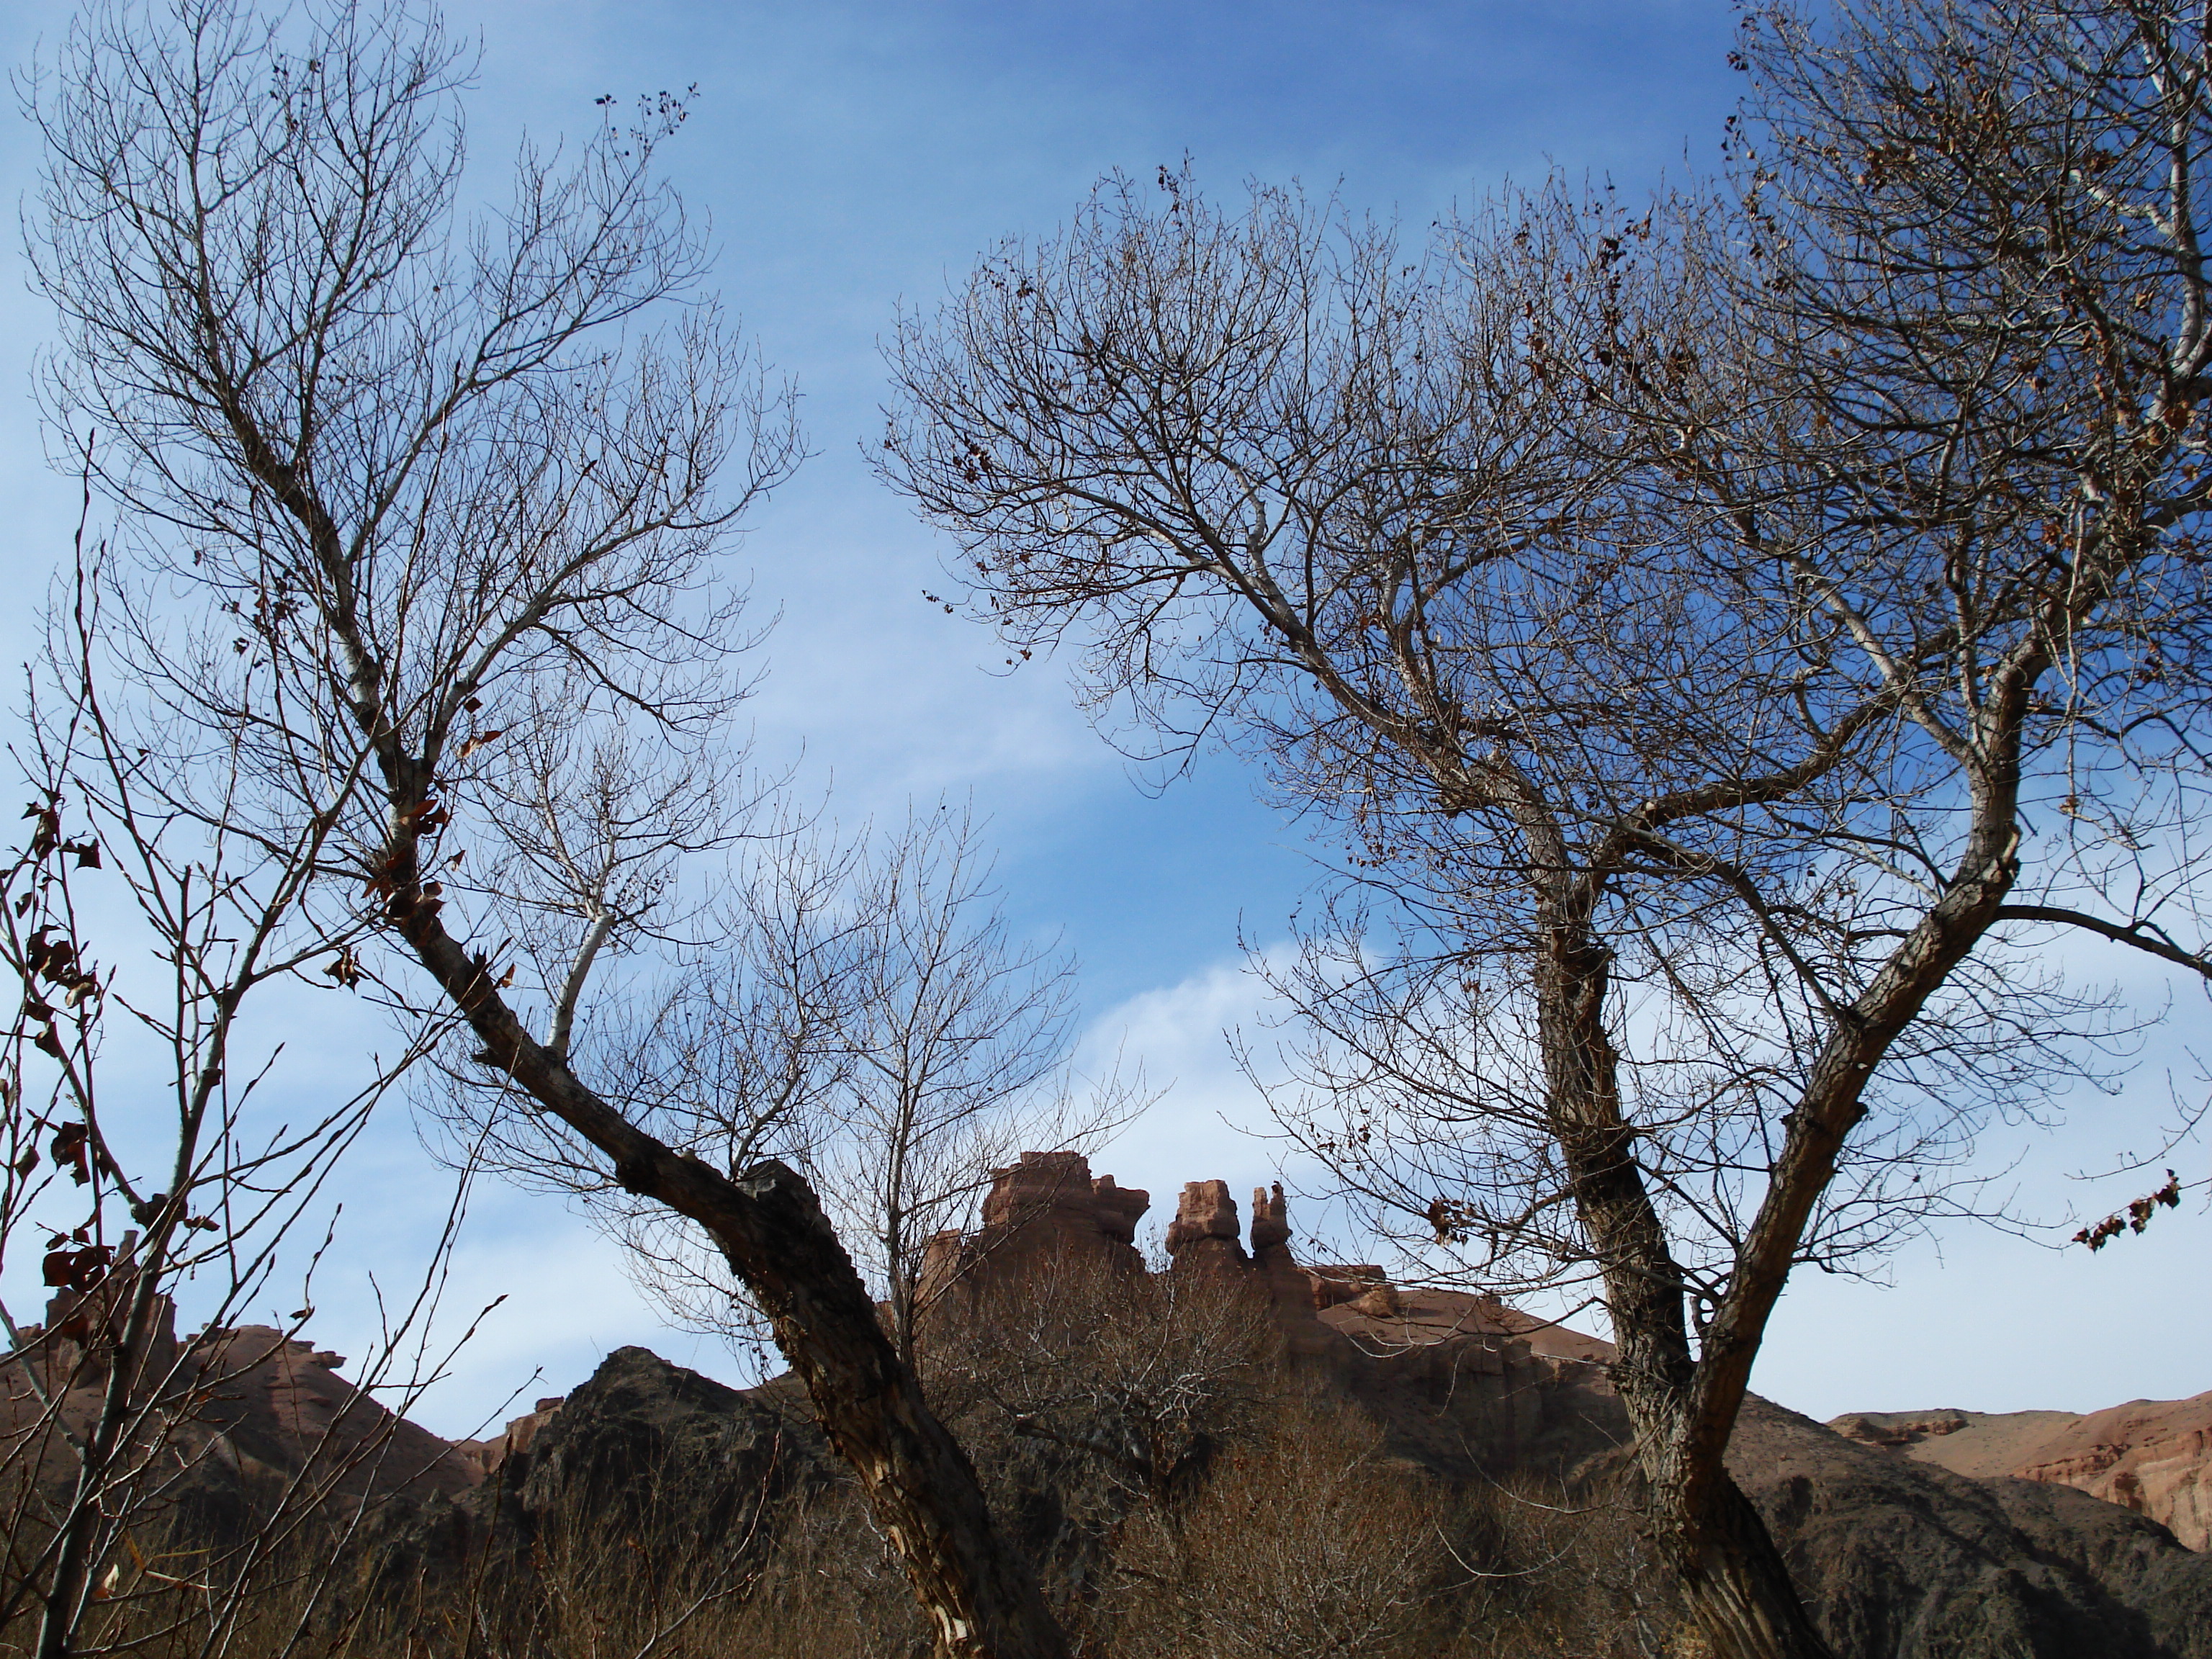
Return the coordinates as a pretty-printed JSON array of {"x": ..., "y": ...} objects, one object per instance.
[{"x": 1736, "y": 1584}]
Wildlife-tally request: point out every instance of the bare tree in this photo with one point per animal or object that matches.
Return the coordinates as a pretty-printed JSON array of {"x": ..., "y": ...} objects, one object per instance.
[
  {"x": 891, "y": 1037},
  {"x": 1136, "y": 1378},
  {"x": 147, "y": 946},
  {"x": 1706, "y": 629},
  {"x": 1311, "y": 1542},
  {"x": 894, "y": 1041},
  {"x": 958, "y": 1037},
  {"x": 1300, "y": 497},
  {"x": 411, "y": 494}
]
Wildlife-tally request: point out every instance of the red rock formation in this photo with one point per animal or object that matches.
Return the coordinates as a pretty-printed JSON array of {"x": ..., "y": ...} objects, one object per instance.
[
  {"x": 73, "y": 1317},
  {"x": 1344, "y": 1282},
  {"x": 1205, "y": 1211},
  {"x": 1271, "y": 1222},
  {"x": 256, "y": 1399},
  {"x": 1203, "y": 1237},
  {"x": 1892, "y": 1430},
  {"x": 516, "y": 1437},
  {"x": 1119, "y": 1209},
  {"x": 2154, "y": 1456},
  {"x": 1288, "y": 1286},
  {"x": 1478, "y": 1378},
  {"x": 1044, "y": 1208}
]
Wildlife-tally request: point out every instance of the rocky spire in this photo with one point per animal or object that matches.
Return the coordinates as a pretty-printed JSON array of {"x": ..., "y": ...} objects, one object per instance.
[
  {"x": 1203, "y": 1234},
  {"x": 1271, "y": 1222}
]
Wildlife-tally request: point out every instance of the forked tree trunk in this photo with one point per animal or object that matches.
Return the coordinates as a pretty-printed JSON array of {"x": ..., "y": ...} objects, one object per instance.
[{"x": 1734, "y": 1581}]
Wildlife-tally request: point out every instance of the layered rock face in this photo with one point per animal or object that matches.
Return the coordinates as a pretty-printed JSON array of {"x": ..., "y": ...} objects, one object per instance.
[
  {"x": 1912, "y": 1536},
  {"x": 2154, "y": 1456},
  {"x": 1466, "y": 1382},
  {"x": 255, "y": 1421},
  {"x": 1901, "y": 1559},
  {"x": 516, "y": 1438}
]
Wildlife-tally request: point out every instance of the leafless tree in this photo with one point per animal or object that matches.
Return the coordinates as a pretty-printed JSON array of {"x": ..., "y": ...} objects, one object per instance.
[
  {"x": 418, "y": 503},
  {"x": 153, "y": 1144},
  {"x": 1309, "y": 1540},
  {"x": 1723, "y": 637},
  {"x": 1143, "y": 1375},
  {"x": 867, "y": 1006},
  {"x": 958, "y": 1036},
  {"x": 1298, "y": 496}
]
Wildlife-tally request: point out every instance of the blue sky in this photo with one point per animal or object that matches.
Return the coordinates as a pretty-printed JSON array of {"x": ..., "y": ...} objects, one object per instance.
[{"x": 856, "y": 156}]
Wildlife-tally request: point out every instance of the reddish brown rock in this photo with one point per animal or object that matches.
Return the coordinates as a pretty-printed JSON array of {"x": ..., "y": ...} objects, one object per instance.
[
  {"x": 1462, "y": 1376},
  {"x": 1044, "y": 1208},
  {"x": 1381, "y": 1303},
  {"x": 1271, "y": 1222},
  {"x": 1895, "y": 1430},
  {"x": 1288, "y": 1290},
  {"x": 252, "y": 1401},
  {"x": 1328, "y": 1285},
  {"x": 517, "y": 1436},
  {"x": 2154, "y": 1456},
  {"x": 1204, "y": 1211},
  {"x": 1040, "y": 1188},
  {"x": 73, "y": 1317},
  {"x": 1119, "y": 1209},
  {"x": 1203, "y": 1237},
  {"x": 283, "y": 1401}
]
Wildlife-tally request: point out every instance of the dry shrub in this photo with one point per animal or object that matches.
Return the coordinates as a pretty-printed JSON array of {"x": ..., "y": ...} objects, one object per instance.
[
  {"x": 1185, "y": 1493},
  {"x": 832, "y": 1589},
  {"x": 1548, "y": 1571},
  {"x": 1142, "y": 1372},
  {"x": 1313, "y": 1540},
  {"x": 1087, "y": 1392}
]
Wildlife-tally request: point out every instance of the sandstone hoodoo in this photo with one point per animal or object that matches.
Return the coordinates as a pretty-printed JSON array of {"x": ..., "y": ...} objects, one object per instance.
[
  {"x": 1203, "y": 1234},
  {"x": 1046, "y": 1207}
]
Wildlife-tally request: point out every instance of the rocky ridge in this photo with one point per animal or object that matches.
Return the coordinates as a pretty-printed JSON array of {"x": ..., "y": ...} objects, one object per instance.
[
  {"x": 2052, "y": 1549},
  {"x": 2154, "y": 1456},
  {"x": 1931, "y": 1535},
  {"x": 244, "y": 1410}
]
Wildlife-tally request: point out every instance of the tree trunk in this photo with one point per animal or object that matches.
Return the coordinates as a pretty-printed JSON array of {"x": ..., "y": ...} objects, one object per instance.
[
  {"x": 92, "y": 1508},
  {"x": 1734, "y": 1582},
  {"x": 980, "y": 1595},
  {"x": 982, "y": 1598}
]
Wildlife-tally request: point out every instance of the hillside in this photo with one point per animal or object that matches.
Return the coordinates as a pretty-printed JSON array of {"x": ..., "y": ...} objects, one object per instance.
[
  {"x": 1236, "y": 1448},
  {"x": 2154, "y": 1456}
]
